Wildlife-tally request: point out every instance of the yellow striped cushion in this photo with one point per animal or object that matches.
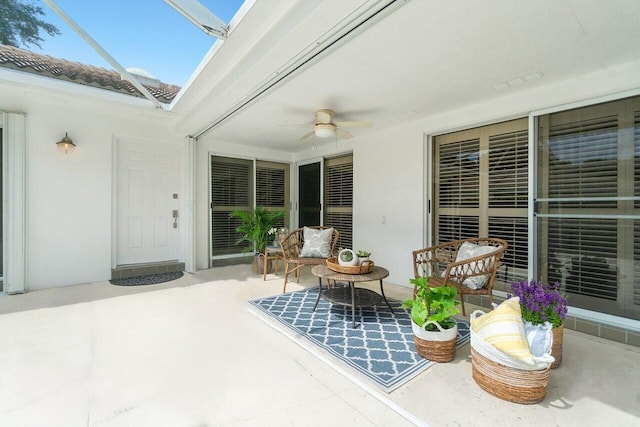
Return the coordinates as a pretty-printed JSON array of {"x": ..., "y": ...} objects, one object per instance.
[{"x": 503, "y": 328}]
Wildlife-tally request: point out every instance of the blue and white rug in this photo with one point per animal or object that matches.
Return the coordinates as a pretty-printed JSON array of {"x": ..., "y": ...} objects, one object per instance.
[{"x": 380, "y": 348}]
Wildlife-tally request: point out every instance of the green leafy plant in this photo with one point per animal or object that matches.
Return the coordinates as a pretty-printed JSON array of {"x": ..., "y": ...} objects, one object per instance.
[
  {"x": 435, "y": 304},
  {"x": 254, "y": 227},
  {"x": 346, "y": 256},
  {"x": 363, "y": 254}
]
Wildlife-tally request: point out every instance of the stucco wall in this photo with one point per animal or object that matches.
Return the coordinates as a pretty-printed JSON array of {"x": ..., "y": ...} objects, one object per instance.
[{"x": 69, "y": 197}]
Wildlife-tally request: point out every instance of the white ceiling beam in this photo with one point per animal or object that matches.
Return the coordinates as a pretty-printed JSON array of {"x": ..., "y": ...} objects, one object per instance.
[{"x": 201, "y": 17}]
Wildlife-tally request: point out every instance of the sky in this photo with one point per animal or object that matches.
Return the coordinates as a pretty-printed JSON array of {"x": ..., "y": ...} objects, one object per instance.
[{"x": 146, "y": 34}]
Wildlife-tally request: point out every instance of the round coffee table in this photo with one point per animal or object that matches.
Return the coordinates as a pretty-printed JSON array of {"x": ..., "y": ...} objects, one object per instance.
[{"x": 355, "y": 297}]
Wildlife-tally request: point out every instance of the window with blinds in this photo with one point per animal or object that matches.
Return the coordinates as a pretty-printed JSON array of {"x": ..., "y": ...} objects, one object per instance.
[
  {"x": 231, "y": 189},
  {"x": 481, "y": 185},
  {"x": 588, "y": 205},
  {"x": 272, "y": 188},
  {"x": 338, "y": 197}
]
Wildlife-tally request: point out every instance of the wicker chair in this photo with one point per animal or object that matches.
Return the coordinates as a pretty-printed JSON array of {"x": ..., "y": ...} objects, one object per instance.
[
  {"x": 291, "y": 249},
  {"x": 440, "y": 265}
]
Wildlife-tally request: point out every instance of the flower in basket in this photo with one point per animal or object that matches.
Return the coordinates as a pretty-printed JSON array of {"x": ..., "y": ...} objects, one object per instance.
[{"x": 540, "y": 302}]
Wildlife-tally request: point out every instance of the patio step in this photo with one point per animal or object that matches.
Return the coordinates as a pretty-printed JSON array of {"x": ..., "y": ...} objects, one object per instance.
[{"x": 134, "y": 270}]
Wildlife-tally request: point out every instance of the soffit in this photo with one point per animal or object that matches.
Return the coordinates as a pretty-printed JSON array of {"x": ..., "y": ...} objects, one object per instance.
[{"x": 424, "y": 58}]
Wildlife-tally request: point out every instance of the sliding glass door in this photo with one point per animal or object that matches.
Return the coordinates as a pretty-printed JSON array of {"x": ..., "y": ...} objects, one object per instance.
[
  {"x": 231, "y": 189},
  {"x": 328, "y": 182},
  {"x": 236, "y": 184},
  {"x": 588, "y": 205},
  {"x": 480, "y": 189}
]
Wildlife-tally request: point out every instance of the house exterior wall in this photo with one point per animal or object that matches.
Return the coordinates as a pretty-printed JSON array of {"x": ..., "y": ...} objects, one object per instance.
[
  {"x": 390, "y": 166},
  {"x": 69, "y": 197}
]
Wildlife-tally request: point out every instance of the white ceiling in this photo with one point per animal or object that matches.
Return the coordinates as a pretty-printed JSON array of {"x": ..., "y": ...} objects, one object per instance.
[{"x": 416, "y": 58}]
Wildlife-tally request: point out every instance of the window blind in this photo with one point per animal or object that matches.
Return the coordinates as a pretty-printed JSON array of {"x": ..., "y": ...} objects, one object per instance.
[
  {"x": 508, "y": 170},
  {"x": 636, "y": 223},
  {"x": 583, "y": 162},
  {"x": 514, "y": 262},
  {"x": 272, "y": 188},
  {"x": 338, "y": 197},
  {"x": 636, "y": 262},
  {"x": 459, "y": 174},
  {"x": 231, "y": 189},
  {"x": 457, "y": 227},
  {"x": 587, "y": 251},
  {"x": 636, "y": 157}
]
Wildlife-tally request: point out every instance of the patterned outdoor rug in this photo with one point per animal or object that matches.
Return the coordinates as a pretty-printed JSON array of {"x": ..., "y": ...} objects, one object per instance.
[
  {"x": 380, "y": 348},
  {"x": 149, "y": 279}
]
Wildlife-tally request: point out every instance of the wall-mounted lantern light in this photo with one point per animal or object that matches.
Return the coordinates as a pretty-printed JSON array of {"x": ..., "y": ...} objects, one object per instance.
[{"x": 66, "y": 145}]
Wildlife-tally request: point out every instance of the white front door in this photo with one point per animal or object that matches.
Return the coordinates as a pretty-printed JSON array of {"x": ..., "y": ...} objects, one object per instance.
[{"x": 146, "y": 202}]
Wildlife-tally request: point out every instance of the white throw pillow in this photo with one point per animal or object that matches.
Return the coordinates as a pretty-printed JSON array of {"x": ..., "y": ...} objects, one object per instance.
[
  {"x": 540, "y": 338},
  {"x": 317, "y": 243},
  {"x": 469, "y": 250}
]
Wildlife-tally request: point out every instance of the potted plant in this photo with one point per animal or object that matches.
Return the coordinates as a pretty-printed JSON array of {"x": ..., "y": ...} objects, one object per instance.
[
  {"x": 254, "y": 230},
  {"x": 347, "y": 257},
  {"x": 435, "y": 331},
  {"x": 541, "y": 303},
  {"x": 363, "y": 256}
]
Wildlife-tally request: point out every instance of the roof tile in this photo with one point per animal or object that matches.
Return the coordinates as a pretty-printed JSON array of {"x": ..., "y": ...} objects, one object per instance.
[{"x": 62, "y": 69}]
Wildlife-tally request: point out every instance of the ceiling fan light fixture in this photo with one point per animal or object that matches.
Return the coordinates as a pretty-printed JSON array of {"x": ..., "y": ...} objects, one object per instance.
[{"x": 324, "y": 130}]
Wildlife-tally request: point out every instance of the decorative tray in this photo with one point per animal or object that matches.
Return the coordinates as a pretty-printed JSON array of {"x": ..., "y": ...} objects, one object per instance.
[{"x": 366, "y": 267}]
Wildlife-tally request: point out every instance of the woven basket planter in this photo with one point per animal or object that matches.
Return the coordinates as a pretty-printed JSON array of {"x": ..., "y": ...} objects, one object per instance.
[
  {"x": 507, "y": 383},
  {"x": 437, "y": 346},
  {"x": 556, "y": 348}
]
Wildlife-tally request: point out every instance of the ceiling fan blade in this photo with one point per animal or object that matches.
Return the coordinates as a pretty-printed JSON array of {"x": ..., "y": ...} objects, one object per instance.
[
  {"x": 354, "y": 124},
  {"x": 343, "y": 134},
  {"x": 296, "y": 124},
  {"x": 306, "y": 135}
]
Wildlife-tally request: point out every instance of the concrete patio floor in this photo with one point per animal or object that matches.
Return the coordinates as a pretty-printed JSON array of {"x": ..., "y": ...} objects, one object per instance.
[{"x": 190, "y": 353}]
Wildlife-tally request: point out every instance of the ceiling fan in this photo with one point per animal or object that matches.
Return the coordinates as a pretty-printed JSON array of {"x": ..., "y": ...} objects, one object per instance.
[{"x": 325, "y": 127}]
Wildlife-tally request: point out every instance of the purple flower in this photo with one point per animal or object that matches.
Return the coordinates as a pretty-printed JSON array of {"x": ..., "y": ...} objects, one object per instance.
[{"x": 540, "y": 302}]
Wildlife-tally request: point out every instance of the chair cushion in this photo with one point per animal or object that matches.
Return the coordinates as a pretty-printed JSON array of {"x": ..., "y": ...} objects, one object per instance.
[
  {"x": 503, "y": 328},
  {"x": 317, "y": 243},
  {"x": 469, "y": 250}
]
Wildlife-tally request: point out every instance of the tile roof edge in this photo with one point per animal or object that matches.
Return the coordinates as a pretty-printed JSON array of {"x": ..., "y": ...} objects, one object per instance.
[{"x": 76, "y": 72}]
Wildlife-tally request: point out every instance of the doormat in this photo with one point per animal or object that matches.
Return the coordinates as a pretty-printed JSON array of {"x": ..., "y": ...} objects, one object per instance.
[
  {"x": 380, "y": 349},
  {"x": 149, "y": 279}
]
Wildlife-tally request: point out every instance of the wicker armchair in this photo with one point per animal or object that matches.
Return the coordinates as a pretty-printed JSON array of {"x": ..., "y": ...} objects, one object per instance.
[
  {"x": 440, "y": 265},
  {"x": 291, "y": 249}
]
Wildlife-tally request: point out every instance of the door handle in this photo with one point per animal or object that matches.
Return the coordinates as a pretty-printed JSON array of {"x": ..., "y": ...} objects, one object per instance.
[{"x": 175, "y": 218}]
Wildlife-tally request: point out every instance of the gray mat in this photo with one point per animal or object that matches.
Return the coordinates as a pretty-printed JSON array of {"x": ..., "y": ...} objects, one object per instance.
[{"x": 150, "y": 279}]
